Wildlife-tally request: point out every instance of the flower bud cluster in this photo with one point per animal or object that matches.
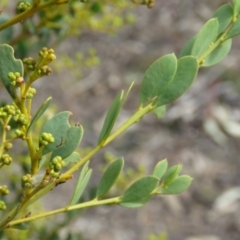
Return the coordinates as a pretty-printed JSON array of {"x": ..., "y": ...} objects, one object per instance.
[
  {"x": 8, "y": 146},
  {"x": 15, "y": 78},
  {"x": 31, "y": 92},
  {"x": 4, "y": 190},
  {"x": 27, "y": 181},
  {"x": 3, "y": 205},
  {"x": 11, "y": 109},
  {"x": 23, "y": 6},
  {"x": 5, "y": 159},
  {"x": 46, "y": 138},
  {"x": 19, "y": 133},
  {"x": 44, "y": 70},
  {"x": 47, "y": 55},
  {"x": 8, "y": 110},
  {"x": 20, "y": 119},
  {"x": 56, "y": 165},
  {"x": 149, "y": 3},
  {"x": 30, "y": 63}
]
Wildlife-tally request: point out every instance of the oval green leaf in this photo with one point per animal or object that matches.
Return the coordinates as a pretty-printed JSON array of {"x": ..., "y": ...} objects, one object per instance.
[
  {"x": 178, "y": 185},
  {"x": 111, "y": 117},
  {"x": 39, "y": 113},
  {"x": 69, "y": 143},
  {"x": 8, "y": 63},
  {"x": 140, "y": 189},
  {"x": 236, "y": 7},
  {"x": 157, "y": 77},
  {"x": 205, "y": 37},
  {"x": 186, "y": 72},
  {"x": 218, "y": 54},
  {"x": 224, "y": 15},
  {"x": 160, "y": 169},
  {"x": 171, "y": 174},
  {"x": 109, "y": 177},
  {"x": 57, "y": 126},
  {"x": 235, "y": 30}
]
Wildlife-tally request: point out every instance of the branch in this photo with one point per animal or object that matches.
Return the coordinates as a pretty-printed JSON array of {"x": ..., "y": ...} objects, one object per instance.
[{"x": 35, "y": 8}]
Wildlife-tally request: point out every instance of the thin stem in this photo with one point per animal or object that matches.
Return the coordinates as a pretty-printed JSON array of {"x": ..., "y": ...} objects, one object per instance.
[
  {"x": 4, "y": 134},
  {"x": 135, "y": 118},
  {"x": 92, "y": 203},
  {"x": 10, "y": 216},
  {"x": 38, "y": 193},
  {"x": 35, "y": 8},
  {"x": 218, "y": 42}
]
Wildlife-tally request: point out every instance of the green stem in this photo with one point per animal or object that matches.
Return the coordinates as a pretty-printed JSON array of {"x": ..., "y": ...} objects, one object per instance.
[
  {"x": 35, "y": 8},
  {"x": 43, "y": 191},
  {"x": 34, "y": 161},
  {"x": 92, "y": 203},
  {"x": 217, "y": 43},
  {"x": 135, "y": 118},
  {"x": 10, "y": 216},
  {"x": 4, "y": 134}
]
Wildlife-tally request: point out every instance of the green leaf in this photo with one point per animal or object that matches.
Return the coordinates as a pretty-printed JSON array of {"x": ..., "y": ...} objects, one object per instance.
[
  {"x": 109, "y": 177},
  {"x": 236, "y": 7},
  {"x": 21, "y": 226},
  {"x": 224, "y": 15},
  {"x": 185, "y": 75},
  {"x": 58, "y": 126},
  {"x": 235, "y": 30},
  {"x": 160, "y": 111},
  {"x": 69, "y": 143},
  {"x": 8, "y": 63},
  {"x": 39, "y": 113},
  {"x": 205, "y": 37},
  {"x": 218, "y": 54},
  {"x": 178, "y": 185},
  {"x": 136, "y": 204},
  {"x": 187, "y": 49},
  {"x": 160, "y": 169},
  {"x": 140, "y": 189},
  {"x": 111, "y": 117},
  {"x": 73, "y": 158},
  {"x": 157, "y": 77},
  {"x": 171, "y": 174},
  {"x": 83, "y": 180},
  {"x": 6, "y": 34}
]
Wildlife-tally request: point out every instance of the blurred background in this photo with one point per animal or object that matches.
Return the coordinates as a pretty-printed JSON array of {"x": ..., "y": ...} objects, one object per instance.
[{"x": 200, "y": 130}]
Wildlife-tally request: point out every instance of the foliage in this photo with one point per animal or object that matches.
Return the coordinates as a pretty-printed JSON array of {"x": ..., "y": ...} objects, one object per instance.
[{"x": 51, "y": 150}]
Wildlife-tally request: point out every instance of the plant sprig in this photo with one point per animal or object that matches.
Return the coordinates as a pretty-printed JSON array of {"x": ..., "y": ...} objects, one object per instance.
[
  {"x": 36, "y": 7},
  {"x": 165, "y": 80}
]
